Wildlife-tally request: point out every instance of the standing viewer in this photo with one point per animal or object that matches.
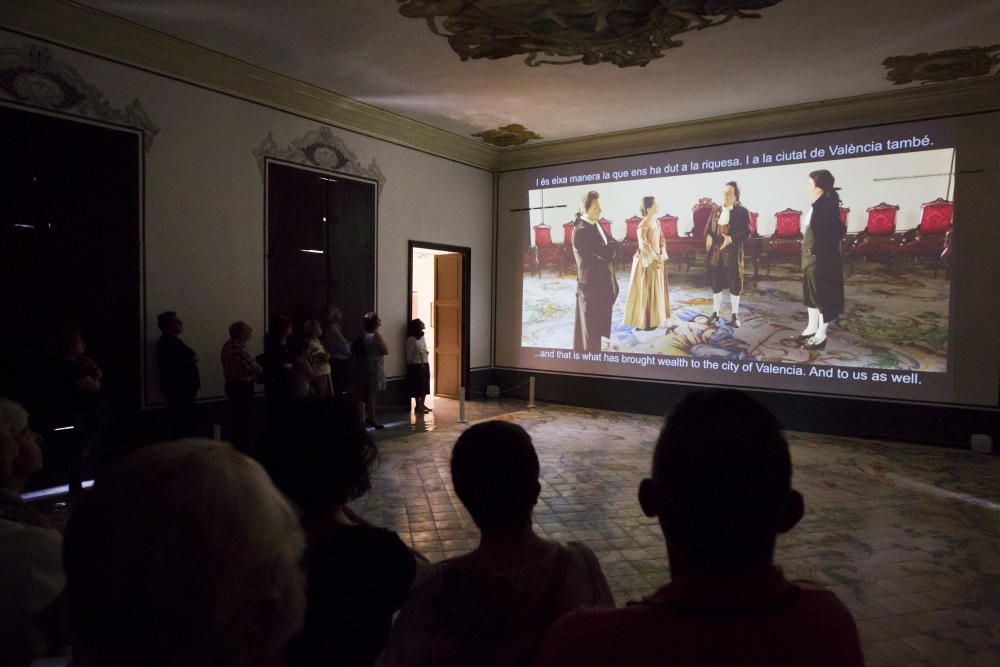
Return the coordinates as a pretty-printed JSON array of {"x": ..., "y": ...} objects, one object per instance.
[
  {"x": 647, "y": 304},
  {"x": 418, "y": 370},
  {"x": 340, "y": 350},
  {"x": 374, "y": 350},
  {"x": 597, "y": 286},
  {"x": 179, "y": 378},
  {"x": 728, "y": 228},
  {"x": 240, "y": 371},
  {"x": 822, "y": 265}
]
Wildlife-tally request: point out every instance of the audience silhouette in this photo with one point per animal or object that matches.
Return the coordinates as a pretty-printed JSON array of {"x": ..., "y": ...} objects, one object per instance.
[
  {"x": 183, "y": 553},
  {"x": 494, "y": 605},
  {"x": 721, "y": 490},
  {"x": 358, "y": 574}
]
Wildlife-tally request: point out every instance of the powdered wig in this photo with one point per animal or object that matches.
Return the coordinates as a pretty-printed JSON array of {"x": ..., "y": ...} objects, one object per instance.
[{"x": 184, "y": 553}]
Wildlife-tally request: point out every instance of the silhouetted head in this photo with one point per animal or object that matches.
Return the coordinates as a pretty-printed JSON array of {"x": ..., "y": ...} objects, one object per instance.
[
  {"x": 281, "y": 327},
  {"x": 415, "y": 328},
  {"x": 312, "y": 329},
  {"x": 372, "y": 322},
  {"x": 494, "y": 468},
  {"x": 240, "y": 331},
  {"x": 183, "y": 553},
  {"x": 721, "y": 484},
  {"x": 169, "y": 323},
  {"x": 323, "y": 454}
]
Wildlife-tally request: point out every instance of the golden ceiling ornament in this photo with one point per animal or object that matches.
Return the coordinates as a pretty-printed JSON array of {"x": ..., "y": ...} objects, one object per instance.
[
  {"x": 514, "y": 134},
  {"x": 626, "y": 33},
  {"x": 940, "y": 66}
]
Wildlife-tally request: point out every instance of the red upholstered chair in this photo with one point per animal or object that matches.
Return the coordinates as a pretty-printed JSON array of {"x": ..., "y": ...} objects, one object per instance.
[
  {"x": 786, "y": 242},
  {"x": 606, "y": 226},
  {"x": 568, "y": 234},
  {"x": 693, "y": 242},
  {"x": 546, "y": 252},
  {"x": 631, "y": 241},
  {"x": 844, "y": 211},
  {"x": 753, "y": 225},
  {"x": 879, "y": 236},
  {"x": 927, "y": 241}
]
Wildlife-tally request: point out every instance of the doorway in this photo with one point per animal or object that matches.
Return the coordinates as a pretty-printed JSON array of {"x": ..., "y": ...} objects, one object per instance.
[{"x": 439, "y": 296}]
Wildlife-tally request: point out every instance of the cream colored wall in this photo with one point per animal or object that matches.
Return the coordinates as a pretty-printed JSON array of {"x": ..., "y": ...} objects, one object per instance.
[{"x": 204, "y": 213}]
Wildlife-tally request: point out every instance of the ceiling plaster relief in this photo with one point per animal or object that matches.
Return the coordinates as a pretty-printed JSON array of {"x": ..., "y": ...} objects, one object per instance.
[
  {"x": 573, "y": 31},
  {"x": 318, "y": 148},
  {"x": 33, "y": 76},
  {"x": 514, "y": 134},
  {"x": 941, "y": 66}
]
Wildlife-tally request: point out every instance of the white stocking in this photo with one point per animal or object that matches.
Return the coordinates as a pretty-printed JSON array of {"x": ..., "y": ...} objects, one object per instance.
[
  {"x": 814, "y": 317},
  {"x": 716, "y": 302},
  {"x": 734, "y": 299},
  {"x": 820, "y": 330}
]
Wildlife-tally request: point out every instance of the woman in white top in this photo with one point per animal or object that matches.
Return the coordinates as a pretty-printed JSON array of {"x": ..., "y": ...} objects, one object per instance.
[{"x": 418, "y": 370}]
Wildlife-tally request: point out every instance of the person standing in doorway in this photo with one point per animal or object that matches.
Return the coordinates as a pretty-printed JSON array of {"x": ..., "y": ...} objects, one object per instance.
[
  {"x": 418, "y": 370},
  {"x": 179, "y": 377},
  {"x": 597, "y": 286},
  {"x": 240, "y": 371}
]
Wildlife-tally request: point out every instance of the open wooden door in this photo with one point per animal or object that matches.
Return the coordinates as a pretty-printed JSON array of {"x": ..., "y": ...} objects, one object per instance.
[{"x": 448, "y": 324}]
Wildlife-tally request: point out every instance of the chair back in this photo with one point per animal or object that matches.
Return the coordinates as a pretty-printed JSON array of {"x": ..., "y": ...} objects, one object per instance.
[
  {"x": 568, "y": 232},
  {"x": 700, "y": 214},
  {"x": 631, "y": 225},
  {"x": 844, "y": 211},
  {"x": 606, "y": 226},
  {"x": 668, "y": 226},
  {"x": 882, "y": 220},
  {"x": 787, "y": 224},
  {"x": 543, "y": 235},
  {"x": 753, "y": 223},
  {"x": 936, "y": 216}
]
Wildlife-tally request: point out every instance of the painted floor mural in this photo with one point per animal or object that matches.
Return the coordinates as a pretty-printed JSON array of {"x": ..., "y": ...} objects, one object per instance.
[{"x": 892, "y": 319}]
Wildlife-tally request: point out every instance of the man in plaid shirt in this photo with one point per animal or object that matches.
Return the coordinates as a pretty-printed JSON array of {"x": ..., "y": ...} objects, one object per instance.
[{"x": 241, "y": 371}]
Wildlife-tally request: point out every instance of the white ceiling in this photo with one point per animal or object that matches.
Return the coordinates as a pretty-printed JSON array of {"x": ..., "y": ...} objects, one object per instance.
[{"x": 800, "y": 51}]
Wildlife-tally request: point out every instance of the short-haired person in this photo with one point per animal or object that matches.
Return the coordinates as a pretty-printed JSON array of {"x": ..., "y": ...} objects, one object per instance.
[
  {"x": 357, "y": 574},
  {"x": 597, "y": 285},
  {"x": 32, "y": 604},
  {"x": 728, "y": 229},
  {"x": 822, "y": 265},
  {"x": 494, "y": 605},
  {"x": 179, "y": 377},
  {"x": 184, "y": 554},
  {"x": 722, "y": 496},
  {"x": 241, "y": 372}
]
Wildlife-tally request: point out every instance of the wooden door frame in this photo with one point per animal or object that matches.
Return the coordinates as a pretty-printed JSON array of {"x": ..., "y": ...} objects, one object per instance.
[{"x": 466, "y": 254}]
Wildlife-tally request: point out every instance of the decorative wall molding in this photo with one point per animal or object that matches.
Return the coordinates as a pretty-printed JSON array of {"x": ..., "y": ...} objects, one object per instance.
[
  {"x": 92, "y": 31},
  {"x": 514, "y": 134},
  {"x": 318, "y": 148},
  {"x": 565, "y": 32},
  {"x": 35, "y": 77},
  {"x": 914, "y": 103}
]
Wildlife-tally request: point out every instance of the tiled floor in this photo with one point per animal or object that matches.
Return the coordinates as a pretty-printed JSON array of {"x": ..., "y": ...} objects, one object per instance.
[{"x": 908, "y": 536}]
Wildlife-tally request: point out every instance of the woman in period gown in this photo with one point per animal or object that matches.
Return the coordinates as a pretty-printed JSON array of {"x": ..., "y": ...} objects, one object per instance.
[{"x": 647, "y": 305}]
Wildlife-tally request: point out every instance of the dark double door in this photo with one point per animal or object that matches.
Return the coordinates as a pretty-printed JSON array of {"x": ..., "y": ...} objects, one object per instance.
[{"x": 320, "y": 245}]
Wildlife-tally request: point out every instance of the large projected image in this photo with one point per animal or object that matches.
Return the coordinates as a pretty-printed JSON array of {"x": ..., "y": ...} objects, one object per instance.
[{"x": 821, "y": 260}]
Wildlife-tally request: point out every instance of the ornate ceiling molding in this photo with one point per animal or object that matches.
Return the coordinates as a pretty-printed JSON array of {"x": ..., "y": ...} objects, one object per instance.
[
  {"x": 318, "y": 148},
  {"x": 35, "y": 77},
  {"x": 941, "y": 66},
  {"x": 564, "y": 32},
  {"x": 961, "y": 97},
  {"x": 514, "y": 134},
  {"x": 92, "y": 31}
]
